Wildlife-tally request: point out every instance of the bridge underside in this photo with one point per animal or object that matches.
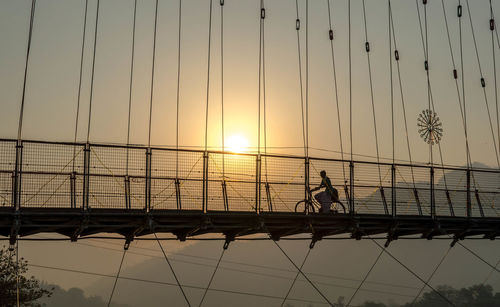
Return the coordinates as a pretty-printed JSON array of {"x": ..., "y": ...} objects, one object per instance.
[{"x": 75, "y": 223}]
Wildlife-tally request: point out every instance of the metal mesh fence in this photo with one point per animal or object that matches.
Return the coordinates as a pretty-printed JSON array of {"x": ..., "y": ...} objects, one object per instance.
[
  {"x": 7, "y": 166},
  {"x": 239, "y": 173},
  {"x": 285, "y": 178},
  {"x": 47, "y": 178},
  {"x": 412, "y": 190},
  {"x": 46, "y": 173},
  {"x": 166, "y": 166}
]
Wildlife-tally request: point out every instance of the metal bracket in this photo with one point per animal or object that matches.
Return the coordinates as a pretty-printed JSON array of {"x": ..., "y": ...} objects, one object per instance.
[
  {"x": 73, "y": 189},
  {"x": 224, "y": 195},
  {"x": 391, "y": 234},
  {"x": 128, "y": 239},
  {"x": 481, "y": 212},
  {"x": 315, "y": 239},
  {"x": 269, "y": 199},
  {"x": 229, "y": 239},
  {"x": 417, "y": 199},
  {"x": 450, "y": 204},
  {"x": 128, "y": 204},
  {"x": 83, "y": 225},
  {"x": 178, "y": 193},
  {"x": 14, "y": 229},
  {"x": 384, "y": 201}
]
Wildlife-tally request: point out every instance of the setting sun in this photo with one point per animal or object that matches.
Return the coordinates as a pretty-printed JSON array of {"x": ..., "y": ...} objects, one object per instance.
[{"x": 237, "y": 143}]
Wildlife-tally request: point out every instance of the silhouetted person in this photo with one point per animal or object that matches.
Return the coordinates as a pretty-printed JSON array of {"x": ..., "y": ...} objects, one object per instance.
[{"x": 329, "y": 195}]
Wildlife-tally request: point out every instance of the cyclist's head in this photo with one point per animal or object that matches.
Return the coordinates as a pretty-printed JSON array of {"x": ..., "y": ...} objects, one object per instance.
[{"x": 322, "y": 174}]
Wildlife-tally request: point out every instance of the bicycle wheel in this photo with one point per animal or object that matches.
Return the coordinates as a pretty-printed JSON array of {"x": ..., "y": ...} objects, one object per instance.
[{"x": 304, "y": 205}]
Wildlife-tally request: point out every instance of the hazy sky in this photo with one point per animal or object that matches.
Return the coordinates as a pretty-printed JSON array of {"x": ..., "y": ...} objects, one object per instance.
[
  {"x": 51, "y": 98},
  {"x": 53, "y": 73}
]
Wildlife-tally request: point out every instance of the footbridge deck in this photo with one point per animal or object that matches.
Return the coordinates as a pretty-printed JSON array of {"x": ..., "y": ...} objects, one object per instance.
[{"x": 79, "y": 189}]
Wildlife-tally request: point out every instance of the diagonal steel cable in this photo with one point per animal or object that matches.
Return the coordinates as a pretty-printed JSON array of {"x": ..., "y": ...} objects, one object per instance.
[
  {"x": 295, "y": 279},
  {"x": 413, "y": 273},
  {"x": 432, "y": 275},
  {"x": 116, "y": 278},
  {"x": 211, "y": 278},
  {"x": 172, "y": 269},
  {"x": 364, "y": 278},
  {"x": 300, "y": 271}
]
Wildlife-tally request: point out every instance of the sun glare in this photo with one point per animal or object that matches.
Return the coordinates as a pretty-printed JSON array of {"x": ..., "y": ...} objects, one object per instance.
[{"x": 237, "y": 143}]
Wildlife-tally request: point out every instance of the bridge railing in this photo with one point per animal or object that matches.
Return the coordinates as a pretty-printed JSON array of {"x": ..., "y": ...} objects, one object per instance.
[{"x": 36, "y": 174}]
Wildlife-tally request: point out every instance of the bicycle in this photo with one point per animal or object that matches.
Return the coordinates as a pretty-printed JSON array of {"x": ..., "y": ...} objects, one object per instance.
[{"x": 310, "y": 205}]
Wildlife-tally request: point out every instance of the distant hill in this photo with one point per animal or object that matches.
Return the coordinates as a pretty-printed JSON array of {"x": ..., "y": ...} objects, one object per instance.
[{"x": 74, "y": 297}]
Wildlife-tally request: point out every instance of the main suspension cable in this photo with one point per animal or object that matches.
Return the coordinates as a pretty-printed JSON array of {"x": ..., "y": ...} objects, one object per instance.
[
  {"x": 80, "y": 81},
  {"x": 396, "y": 53},
  {"x": 178, "y": 93},
  {"x": 263, "y": 61},
  {"x": 222, "y": 84},
  {"x": 431, "y": 158},
  {"x": 153, "y": 73},
  {"x": 492, "y": 28},
  {"x": 391, "y": 82},
  {"x": 483, "y": 84},
  {"x": 130, "y": 85},
  {"x": 93, "y": 69},
  {"x": 455, "y": 77},
  {"x": 28, "y": 50},
  {"x": 459, "y": 13},
  {"x": 430, "y": 97},
  {"x": 330, "y": 32},
  {"x": 208, "y": 72},
  {"x": 297, "y": 28},
  {"x": 307, "y": 79},
  {"x": 367, "y": 49},
  {"x": 350, "y": 77}
]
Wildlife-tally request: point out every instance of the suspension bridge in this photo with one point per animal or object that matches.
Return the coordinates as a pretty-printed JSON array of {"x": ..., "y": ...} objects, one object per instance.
[{"x": 83, "y": 188}]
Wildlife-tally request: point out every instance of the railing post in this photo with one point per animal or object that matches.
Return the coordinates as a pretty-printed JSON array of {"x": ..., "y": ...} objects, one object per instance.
[
  {"x": 17, "y": 176},
  {"x": 433, "y": 203},
  {"x": 469, "y": 202},
  {"x": 205, "y": 182},
  {"x": 258, "y": 179},
  {"x": 86, "y": 176},
  {"x": 351, "y": 184},
  {"x": 148, "y": 181},
  {"x": 178, "y": 193},
  {"x": 128, "y": 204},
  {"x": 393, "y": 191},
  {"x": 307, "y": 181},
  {"x": 72, "y": 179}
]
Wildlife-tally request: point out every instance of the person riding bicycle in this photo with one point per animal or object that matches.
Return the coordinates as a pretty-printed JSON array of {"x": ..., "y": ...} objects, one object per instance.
[{"x": 325, "y": 198}]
